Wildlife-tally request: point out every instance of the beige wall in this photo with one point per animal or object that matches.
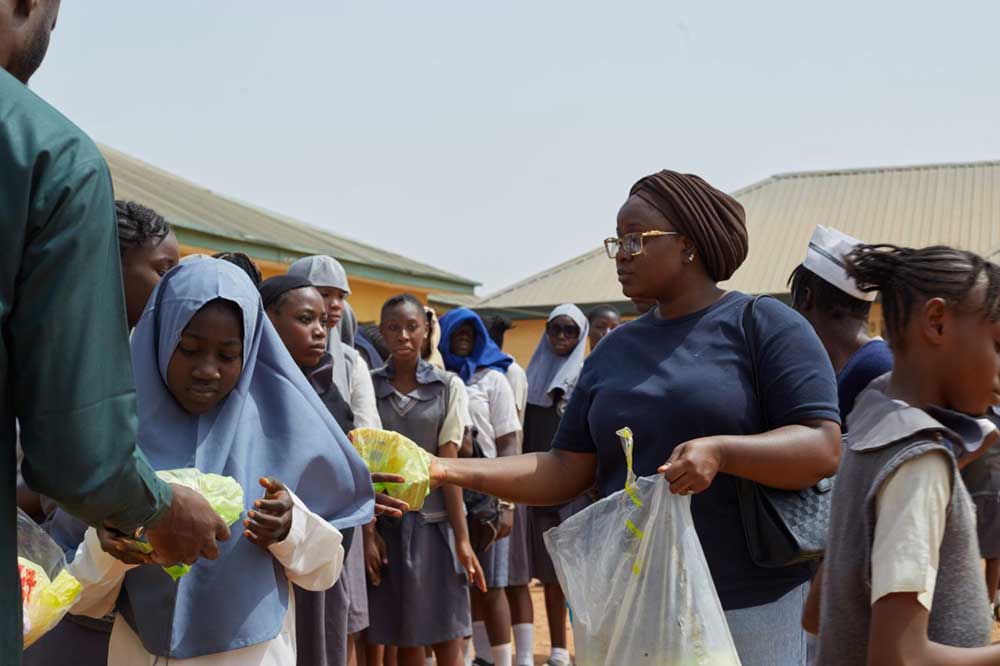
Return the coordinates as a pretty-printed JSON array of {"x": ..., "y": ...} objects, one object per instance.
[{"x": 367, "y": 296}]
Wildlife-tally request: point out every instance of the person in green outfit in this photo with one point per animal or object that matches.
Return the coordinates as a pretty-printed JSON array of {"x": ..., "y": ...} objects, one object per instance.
[{"x": 65, "y": 372}]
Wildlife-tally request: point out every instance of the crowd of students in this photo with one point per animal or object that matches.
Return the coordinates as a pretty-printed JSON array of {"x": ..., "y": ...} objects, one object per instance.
[{"x": 260, "y": 380}]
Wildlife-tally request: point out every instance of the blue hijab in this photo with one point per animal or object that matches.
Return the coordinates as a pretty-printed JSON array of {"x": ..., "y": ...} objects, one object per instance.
[
  {"x": 272, "y": 424},
  {"x": 485, "y": 353}
]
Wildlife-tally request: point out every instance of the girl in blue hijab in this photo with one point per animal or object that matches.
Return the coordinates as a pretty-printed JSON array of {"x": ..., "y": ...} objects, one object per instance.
[
  {"x": 217, "y": 390},
  {"x": 469, "y": 351},
  {"x": 484, "y": 352}
]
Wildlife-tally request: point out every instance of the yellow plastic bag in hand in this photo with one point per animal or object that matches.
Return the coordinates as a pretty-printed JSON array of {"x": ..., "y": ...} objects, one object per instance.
[
  {"x": 391, "y": 453},
  {"x": 223, "y": 493},
  {"x": 44, "y": 601}
]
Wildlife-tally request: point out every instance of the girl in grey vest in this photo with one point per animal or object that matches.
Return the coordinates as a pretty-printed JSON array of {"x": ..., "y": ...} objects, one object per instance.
[
  {"x": 902, "y": 579},
  {"x": 418, "y": 593}
]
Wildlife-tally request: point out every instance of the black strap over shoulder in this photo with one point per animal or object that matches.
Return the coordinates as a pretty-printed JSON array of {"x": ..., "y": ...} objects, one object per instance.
[{"x": 782, "y": 527}]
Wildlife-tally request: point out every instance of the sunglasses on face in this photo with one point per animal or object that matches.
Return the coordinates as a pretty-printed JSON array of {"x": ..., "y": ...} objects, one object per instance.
[{"x": 566, "y": 330}]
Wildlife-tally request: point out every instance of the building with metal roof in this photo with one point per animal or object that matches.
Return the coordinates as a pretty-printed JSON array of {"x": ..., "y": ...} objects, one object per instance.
[
  {"x": 207, "y": 222},
  {"x": 951, "y": 204}
]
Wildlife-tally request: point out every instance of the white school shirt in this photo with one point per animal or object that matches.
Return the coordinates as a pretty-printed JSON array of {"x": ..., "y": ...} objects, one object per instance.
[
  {"x": 492, "y": 408},
  {"x": 518, "y": 380},
  {"x": 313, "y": 558},
  {"x": 362, "y": 398},
  {"x": 911, "y": 509}
]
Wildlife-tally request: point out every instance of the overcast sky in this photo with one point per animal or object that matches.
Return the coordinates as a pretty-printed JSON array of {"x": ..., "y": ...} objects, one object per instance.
[{"x": 496, "y": 139}]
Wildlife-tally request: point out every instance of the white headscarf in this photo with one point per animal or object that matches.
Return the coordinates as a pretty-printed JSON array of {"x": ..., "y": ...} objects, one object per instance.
[
  {"x": 325, "y": 271},
  {"x": 548, "y": 371}
]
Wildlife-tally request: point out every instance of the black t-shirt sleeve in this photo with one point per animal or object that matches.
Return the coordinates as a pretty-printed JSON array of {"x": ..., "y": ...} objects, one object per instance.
[{"x": 796, "y": 376}]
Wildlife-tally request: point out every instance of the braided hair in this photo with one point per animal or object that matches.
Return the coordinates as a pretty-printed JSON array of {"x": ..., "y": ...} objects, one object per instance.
[
  {"x": 248, "y": 265},
  {"x": 138, "y": 225},
  {"x": 908, "y": 277},
  {"x": 835, "y": 303},
  {"x": 401, "y": 299}
]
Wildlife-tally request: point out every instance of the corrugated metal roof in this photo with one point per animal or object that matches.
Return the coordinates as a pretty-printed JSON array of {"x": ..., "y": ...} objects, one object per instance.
[
  {"x": 189, "y": 206},
  {"x": 953, "y": 204}
]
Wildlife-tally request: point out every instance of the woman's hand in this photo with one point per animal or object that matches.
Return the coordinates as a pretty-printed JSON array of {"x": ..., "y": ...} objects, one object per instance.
[
  {"x": 470, "y": 563},
  {"x": 376, "y": 555},
  {"x": 271, "y": 519},
  {"x": 384, "y": 504},
  {"x": 124, "y": 548},
  {"x": 693, "y": 465},
  {"x": 506, "y": 525}
]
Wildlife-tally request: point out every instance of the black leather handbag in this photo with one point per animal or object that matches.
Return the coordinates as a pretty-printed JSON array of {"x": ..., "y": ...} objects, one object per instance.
[
  {"x": 482, "y": 512},
  {"x": 782, "y": 527}
]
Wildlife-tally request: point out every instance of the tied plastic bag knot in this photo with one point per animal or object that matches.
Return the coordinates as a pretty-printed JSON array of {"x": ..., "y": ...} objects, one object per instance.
[
  {"x": 391, "y": 453},
  {"x": 637, "y": 582},
  {"x": 48, "y": 590}
]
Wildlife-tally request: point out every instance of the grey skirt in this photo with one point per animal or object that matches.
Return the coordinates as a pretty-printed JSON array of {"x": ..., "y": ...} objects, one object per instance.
[
  {"x": 423, "y": 598},
  {"x": 988, "y": 525},
  {"x": 496, "y": 563},
  {"x": 520, "y": 563},
  {"x": 323, "y": 620},
  {"x": 355, "y": 585},
  {"x": 541, "y": 519}
]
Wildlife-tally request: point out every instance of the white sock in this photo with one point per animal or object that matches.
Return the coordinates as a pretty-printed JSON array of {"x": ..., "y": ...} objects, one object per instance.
[
  {"x": 502, "y": 654},
  {"x": 429, "y": 661},
  {"x": 560, "y": 656},
  {"x": 481, "y": 639},
  {"x": 524, "y": 642}
]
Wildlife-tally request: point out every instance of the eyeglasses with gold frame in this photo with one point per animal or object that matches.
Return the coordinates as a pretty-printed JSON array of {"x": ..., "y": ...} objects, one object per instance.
[{"x": 632, "y": 243}]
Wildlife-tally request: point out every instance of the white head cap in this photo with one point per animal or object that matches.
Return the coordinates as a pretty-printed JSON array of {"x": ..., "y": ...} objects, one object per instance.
[{"x": 825, "y": 257}]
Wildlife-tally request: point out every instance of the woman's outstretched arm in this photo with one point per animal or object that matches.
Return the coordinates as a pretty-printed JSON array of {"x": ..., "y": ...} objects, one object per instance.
[{"x": 535, "y": 479}]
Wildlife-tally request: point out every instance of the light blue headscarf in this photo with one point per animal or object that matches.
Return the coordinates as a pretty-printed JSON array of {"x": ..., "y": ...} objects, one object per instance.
[
  {"x": 548, "y": 371},
  {"x": 272, "y": 424}
]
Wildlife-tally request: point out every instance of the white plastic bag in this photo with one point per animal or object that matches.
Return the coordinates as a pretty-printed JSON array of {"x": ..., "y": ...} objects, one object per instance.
[
  {"x": 47, "y": 588},
  {"x": 637, "y": 581}
]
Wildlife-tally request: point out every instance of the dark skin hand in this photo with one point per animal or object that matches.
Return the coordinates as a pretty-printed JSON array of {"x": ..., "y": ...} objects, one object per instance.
[
  {"x": 376, "y": 555},
  {"x": 793, "y": 457},
  {"x": 384, "y": 504},
  {"x": 271, "y": 518},
  {"x": 189, "y": 529}
]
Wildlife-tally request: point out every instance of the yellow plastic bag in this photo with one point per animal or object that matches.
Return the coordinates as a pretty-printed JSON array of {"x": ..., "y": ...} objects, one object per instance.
[
  {"x": 223, "y": 493},
  {"x": 391, "y": 453},
  {"x": 44, "y": 599}
]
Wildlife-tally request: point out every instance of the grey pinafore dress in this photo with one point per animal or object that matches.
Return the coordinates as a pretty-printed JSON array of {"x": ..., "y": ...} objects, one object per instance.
[
  {"x": 323, "y": 620},
  {"x": 423, "y": 598}
]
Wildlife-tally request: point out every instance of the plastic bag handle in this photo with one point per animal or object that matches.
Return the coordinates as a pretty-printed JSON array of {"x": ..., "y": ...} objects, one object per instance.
[{"x": 628, "y": 444}]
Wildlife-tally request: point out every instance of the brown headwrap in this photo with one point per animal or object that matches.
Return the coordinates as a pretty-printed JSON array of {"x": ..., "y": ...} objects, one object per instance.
[{"x": 711, "y": 218}]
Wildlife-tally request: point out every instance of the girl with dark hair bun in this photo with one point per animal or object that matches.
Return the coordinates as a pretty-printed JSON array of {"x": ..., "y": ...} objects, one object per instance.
[{"x": 903, "y": 576}]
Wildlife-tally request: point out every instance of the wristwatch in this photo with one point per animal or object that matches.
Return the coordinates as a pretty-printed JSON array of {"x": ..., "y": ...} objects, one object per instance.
[{"x": 506, "y": 506}]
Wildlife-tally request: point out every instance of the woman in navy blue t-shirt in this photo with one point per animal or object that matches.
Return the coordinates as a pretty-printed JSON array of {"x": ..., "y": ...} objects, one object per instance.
[{"x": 680, "y": 378}]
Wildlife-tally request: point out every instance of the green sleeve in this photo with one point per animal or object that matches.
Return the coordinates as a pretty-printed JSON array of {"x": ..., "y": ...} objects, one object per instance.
[{"x": 70, "y": 360}]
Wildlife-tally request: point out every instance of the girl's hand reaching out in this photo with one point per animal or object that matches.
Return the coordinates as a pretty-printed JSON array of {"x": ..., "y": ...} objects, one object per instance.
[
  {"x": 271, "y": 518},
  {"x": 470, "y": 562},
  {"x": 384, "y": 504}
]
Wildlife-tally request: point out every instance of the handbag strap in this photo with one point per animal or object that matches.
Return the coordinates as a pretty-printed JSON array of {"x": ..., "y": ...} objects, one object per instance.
[{"x": 750, "y": 333}]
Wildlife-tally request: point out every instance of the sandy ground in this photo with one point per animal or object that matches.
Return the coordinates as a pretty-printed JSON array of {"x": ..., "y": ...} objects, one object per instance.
[{"x": 542, "y": 645}]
